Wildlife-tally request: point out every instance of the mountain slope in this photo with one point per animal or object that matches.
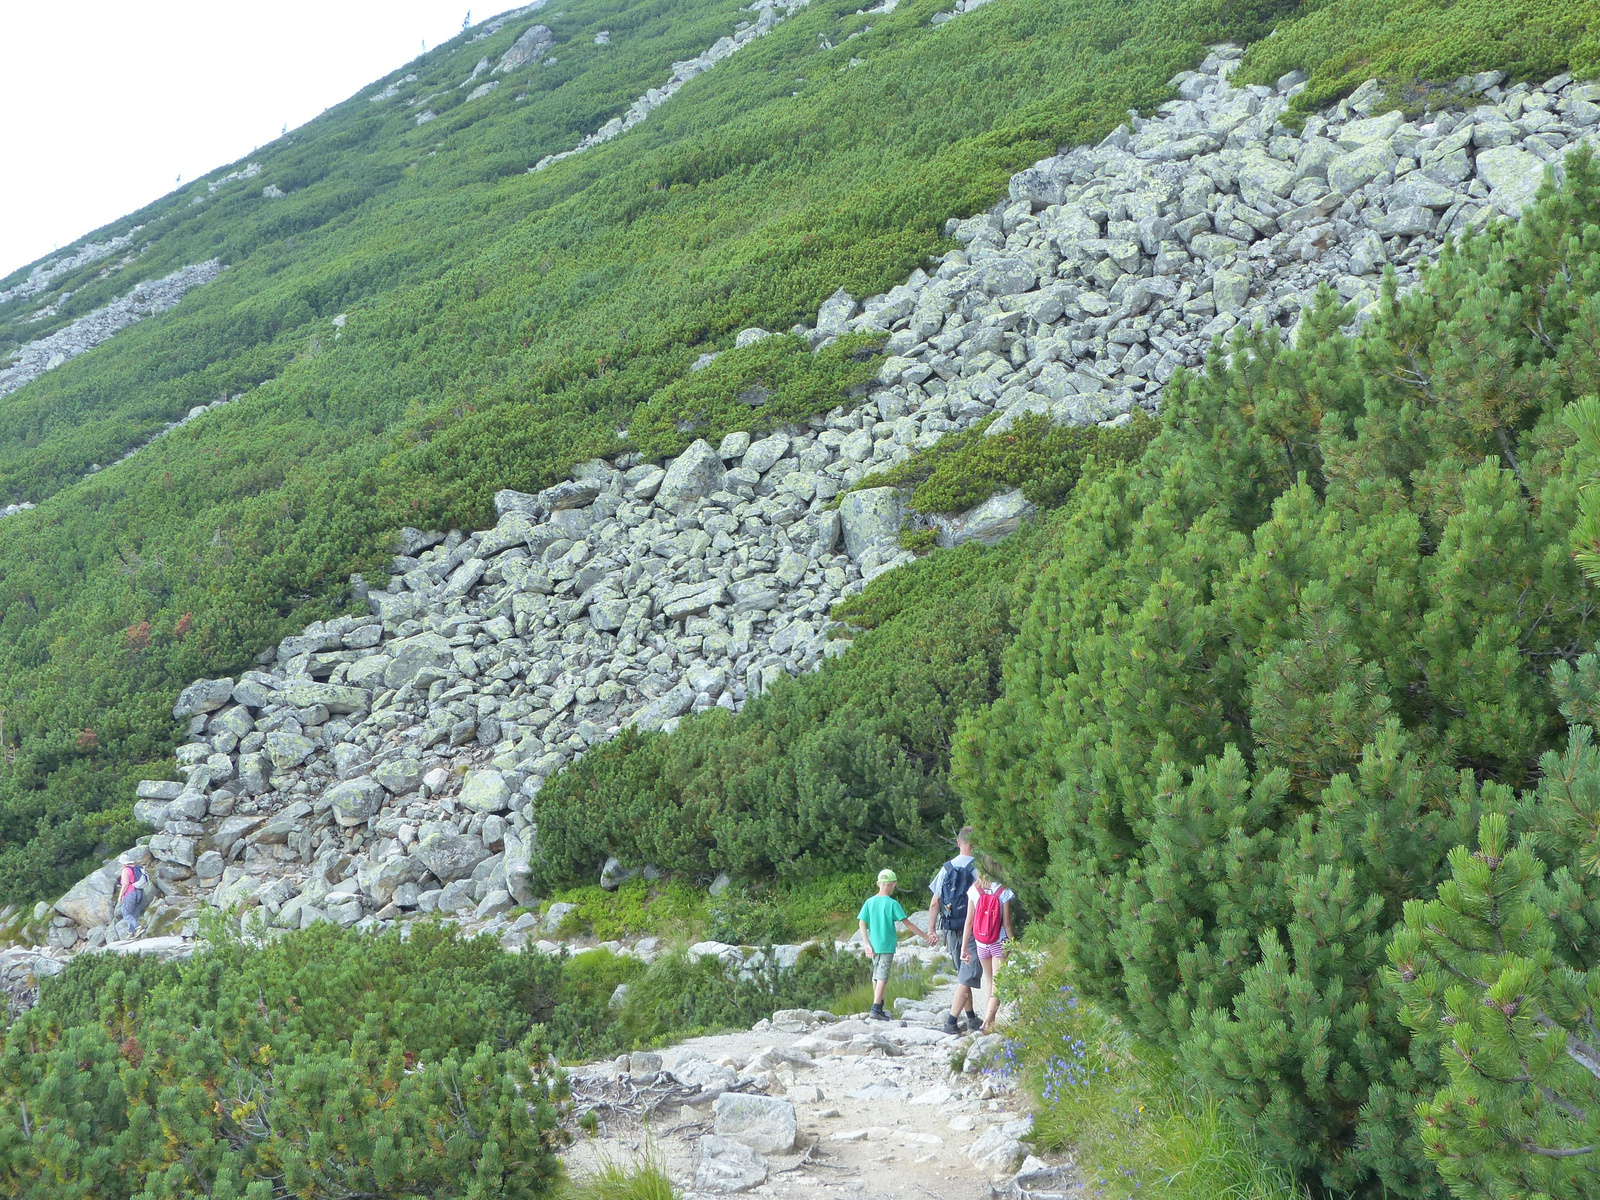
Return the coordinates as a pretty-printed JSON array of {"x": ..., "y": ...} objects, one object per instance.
[{"x": 500, "y": 326}]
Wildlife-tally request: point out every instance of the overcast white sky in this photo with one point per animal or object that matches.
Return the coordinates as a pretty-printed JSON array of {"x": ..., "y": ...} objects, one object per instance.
[{"x": 106, "y": 103}]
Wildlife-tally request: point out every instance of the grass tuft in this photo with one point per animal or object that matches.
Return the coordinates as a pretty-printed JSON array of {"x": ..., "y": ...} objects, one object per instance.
[{"x": 906, "y": 979}]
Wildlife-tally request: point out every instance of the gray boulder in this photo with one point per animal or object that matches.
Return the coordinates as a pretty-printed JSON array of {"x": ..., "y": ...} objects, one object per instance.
[
  {"x": 663, "y": 708},
  {"x": 695, "y": 473},
  {"x": 336, "y": 698},
  {"x": 763, "y": 454},
  {"x": 380, "y": 881},
  {"x": 173, "y": 848},
  {"x": 996, "y": 518},
  {"x": 1513, "y": 177},
  {"x": 355, "y": 801},
  {"x": 286, "y": 751},
  {"x": 399, "y": 775},
  {"x": 232, "y": 829},
  {"x": 833, "y": 318},
  {"x": 1360, "y": 167},
  {"x": 613, "y": 875},
  {"x": 1416, "y": 190},
  {"x": 764, "y": 1123},
  {"x": 92, "y": 900},
  {"x": 485, "y": 791},
  {"x": 727, "y": 1166},
  {"x": 202, "y": 696},
  {"x": 870, "y": 518},
  {"x": 450, "y": 856},
  {"x": 569, "y": 494},
  {"x": 528, "y": 48},
  {"x": 417, "y": 660}
]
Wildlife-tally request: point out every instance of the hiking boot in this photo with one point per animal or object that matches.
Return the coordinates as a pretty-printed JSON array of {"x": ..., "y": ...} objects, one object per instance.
[
  {"x": 877, "y": 1013},
  {"x": 974, "y": 1023},
  {"x": 951, "y": 1025}
]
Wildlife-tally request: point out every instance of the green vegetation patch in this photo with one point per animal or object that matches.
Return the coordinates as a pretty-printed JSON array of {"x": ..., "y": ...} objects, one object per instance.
[
  {"x": 1272, "y": 672},
  {"x": 1120, "y": 1106},
  {"x": 1412, "y": 44},
  {"x": 775, "y": 380},
  {"x": 332, "y": 1062},
  {"x": 1044, "y": 459}
]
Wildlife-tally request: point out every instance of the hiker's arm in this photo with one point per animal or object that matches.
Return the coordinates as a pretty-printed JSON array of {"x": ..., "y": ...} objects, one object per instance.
[
  {"x": 1005, "y": 914},
  {"x": 933, "y": 919},
  {"x": 966, "y": 934},
  {"x": 865, "y": 940}
]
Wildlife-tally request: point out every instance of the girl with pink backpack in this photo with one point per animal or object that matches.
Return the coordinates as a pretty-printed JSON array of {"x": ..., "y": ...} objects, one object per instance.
[{"x": 988, "y": 930}]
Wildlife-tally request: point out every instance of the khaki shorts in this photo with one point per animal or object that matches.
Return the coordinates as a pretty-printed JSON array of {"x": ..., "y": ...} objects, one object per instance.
[{"x": 881, "y": 964}]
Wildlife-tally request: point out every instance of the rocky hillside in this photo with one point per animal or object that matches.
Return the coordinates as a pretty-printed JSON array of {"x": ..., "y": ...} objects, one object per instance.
[{"x": 374, "y": 767}]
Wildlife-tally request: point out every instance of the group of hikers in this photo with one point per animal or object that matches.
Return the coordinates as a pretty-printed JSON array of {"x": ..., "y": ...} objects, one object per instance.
[{"x": 970, "y": 912}]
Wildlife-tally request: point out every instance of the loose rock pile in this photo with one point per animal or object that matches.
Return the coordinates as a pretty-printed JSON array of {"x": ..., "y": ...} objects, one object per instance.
[
  {"x": 378, "y": 766},
  {"x": 771, "y": 14},
  {"x": 153, "y": 296},
  {"x": 45, "y": 274}
]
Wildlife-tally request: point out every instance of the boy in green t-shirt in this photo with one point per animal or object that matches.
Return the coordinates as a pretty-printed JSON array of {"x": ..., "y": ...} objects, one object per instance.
[{"x": 878, "y": 917}]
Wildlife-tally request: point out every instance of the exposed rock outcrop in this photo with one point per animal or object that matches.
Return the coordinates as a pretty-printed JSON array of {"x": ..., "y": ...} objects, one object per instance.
[{"x": 146, "y": 299}]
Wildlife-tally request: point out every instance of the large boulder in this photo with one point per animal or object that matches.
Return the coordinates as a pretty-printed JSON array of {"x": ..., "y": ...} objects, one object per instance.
[
  {"x": 672, "y": 703},
  {"x": 234, "y": 828},
  {"x": 530, "y": 47},
  {"x": 996, "y": 518},
  {"x": 727, "y": 1166},
  {"x": 1513, "y": 177},
  {"x": 175, "y": 848},
  {"x": 417, "y": 660},
  {"x": 450, "y": 855},
  {"x": 336, "y": 698},
  {"x": 355, "y": 801},
  {"x": 571, "y": 493},
  {"x": 202, "y": 696},
  {"x": 286, "y": 751},
  {"x": 1360, "y": 167},
  {"x": 92, "y": 900},
  {"x": 764, "y": 1123},
  {"x": 485, "y": 791},
  {"x": 399, "y": 775},
  {"x": 695, "y": 473},
  {"x": 760, "y": 456},
  {"x": 833, "y": 318},
  {"x": 379, "y": 881},
  {"x": 518, "y": 864},
  {"x": 870, "y": 517}
]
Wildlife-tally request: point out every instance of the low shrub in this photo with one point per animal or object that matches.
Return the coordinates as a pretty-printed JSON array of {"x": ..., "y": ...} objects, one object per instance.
[
  {"x": 1116, "y": 1103},
  {"x": 1044, "y": 459},
  {"x": 680, "y": 996},
  {"x": 637, "y": 907},
  {"x": 325, "y": 1063}
]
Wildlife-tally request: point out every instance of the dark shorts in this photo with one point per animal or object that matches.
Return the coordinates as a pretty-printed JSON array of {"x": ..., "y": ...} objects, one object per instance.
[{"x": 968, "y": 973}]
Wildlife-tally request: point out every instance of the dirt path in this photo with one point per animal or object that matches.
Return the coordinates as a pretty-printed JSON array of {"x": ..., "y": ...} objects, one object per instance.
[{"x": 878, "y": 1111}]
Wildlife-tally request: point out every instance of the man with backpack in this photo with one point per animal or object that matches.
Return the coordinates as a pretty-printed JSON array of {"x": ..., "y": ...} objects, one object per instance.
[
  {"x": 133, "y": 893},
  {"x": 947, "y": 919}
]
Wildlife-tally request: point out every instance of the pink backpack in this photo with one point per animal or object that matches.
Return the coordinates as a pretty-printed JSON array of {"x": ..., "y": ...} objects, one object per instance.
[{"x": 987, "y": 919}]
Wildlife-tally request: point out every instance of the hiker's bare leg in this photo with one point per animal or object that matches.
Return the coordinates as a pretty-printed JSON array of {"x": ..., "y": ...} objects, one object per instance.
[
  {"x": 992, "y": 1004},
  {"x": 962, "y": 1001}
]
